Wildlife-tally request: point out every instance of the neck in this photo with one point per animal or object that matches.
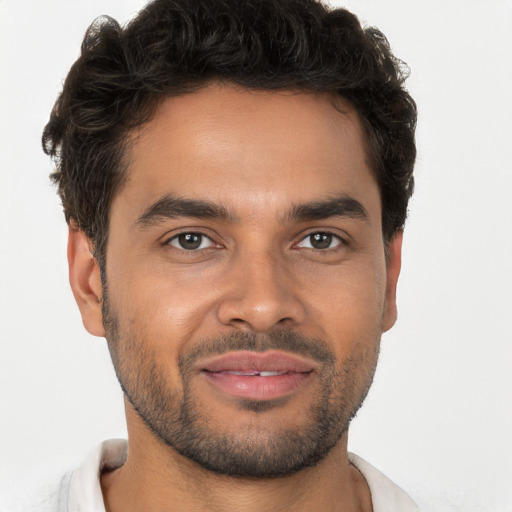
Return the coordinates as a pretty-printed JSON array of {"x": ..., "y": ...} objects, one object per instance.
[{"x": 157, "y": 478}]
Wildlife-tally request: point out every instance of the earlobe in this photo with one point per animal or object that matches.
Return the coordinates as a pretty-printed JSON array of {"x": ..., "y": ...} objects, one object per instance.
[
  {"x": 85, "y": 280},
  {"x": 394, "y": 263}
]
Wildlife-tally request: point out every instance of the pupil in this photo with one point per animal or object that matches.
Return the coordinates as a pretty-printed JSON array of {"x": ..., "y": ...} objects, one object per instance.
[
  {"x": 321, "y": 240},
  {"x": 190, "y": 241}
]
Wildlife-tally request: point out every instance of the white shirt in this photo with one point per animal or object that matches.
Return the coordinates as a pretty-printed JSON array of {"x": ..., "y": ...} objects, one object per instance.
[{"x": 80, "y": 490}]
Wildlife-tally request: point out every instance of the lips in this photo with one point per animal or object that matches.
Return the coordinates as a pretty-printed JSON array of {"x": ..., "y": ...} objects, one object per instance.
[
  {"x": 270, "y": 361},
  {"x": 258, "y": 376},
  {"x": 253, "y": 373}
]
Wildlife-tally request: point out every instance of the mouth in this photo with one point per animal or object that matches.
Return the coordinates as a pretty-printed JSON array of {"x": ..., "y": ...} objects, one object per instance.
[{"x": 258, "y": 376}]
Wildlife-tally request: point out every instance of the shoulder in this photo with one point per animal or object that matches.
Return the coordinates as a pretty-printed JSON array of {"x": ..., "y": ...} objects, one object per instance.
[
  {"x": 50, "y": 497},
  {"x": 78, "y": 490},
  {"x": 84, "y": 487},
  {"x": 386, "y": 495}
]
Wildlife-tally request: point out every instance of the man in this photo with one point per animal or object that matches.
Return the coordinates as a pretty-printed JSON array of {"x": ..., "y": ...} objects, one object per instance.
[{"x": 235, "y": 176}]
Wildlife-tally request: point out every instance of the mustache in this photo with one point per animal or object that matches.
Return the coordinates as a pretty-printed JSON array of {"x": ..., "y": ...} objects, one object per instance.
[{"x": 287, "y": 341}]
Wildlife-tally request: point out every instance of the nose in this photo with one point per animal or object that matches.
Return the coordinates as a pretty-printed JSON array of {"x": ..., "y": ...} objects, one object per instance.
[{"x": 262, "y": 296}]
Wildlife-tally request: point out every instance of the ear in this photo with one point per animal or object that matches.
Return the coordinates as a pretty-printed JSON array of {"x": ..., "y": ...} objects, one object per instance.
[
  {"x": 84, "y": 277},
  {"x": 394, "y": 263}
]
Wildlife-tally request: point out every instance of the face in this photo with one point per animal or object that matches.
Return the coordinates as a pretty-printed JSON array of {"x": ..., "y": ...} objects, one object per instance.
[{"x": 246, "y": 281}]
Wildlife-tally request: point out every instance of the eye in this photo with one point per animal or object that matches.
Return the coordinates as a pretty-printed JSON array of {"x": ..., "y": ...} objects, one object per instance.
[
  {"x": 191, "y": 241},
  {"x": 320, "y": 241}
]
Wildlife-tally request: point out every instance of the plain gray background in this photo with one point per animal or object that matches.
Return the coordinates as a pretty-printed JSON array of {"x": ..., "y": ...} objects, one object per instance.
[{"x": 439, "y": 417}]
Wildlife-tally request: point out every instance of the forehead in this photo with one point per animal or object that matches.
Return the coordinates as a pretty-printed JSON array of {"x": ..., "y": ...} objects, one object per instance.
[{"x": 242, "y": 147}]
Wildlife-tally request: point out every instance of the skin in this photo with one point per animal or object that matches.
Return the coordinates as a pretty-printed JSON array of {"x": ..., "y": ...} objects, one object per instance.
[{"x": 256, "y": 154}]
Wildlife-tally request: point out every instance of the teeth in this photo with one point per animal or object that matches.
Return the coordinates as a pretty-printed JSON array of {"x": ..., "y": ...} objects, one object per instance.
[
  {"x": 253, "y": 373},
  {"x": 234, "y": 372}
]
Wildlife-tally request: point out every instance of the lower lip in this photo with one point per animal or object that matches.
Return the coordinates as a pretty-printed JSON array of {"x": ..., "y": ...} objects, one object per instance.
[{"x": 257, "y": 387}]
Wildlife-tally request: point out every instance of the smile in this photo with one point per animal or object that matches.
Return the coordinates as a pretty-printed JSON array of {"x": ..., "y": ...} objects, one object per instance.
[
  {"x": 258, "y": 376},
  {"x": 253, "y": 373}
]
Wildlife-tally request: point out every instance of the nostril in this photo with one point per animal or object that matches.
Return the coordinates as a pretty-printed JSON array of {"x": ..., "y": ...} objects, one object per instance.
[
  {"x": 260, "y": 312},
  {"x": 240, "y": 323}
]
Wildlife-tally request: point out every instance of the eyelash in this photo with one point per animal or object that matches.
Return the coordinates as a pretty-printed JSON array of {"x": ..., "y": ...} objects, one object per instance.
[
  {"x": 202, "y": 236},
  {"x": 341, "y": 241}
]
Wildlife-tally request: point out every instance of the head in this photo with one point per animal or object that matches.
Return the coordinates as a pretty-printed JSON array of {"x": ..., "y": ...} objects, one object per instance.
[
  {"x": 176, "y": 47},
  {"x": 283, "y": 130}
]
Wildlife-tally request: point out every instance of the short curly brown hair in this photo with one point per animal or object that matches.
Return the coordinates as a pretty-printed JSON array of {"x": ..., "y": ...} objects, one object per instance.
[{"x": 173, "y": 47}]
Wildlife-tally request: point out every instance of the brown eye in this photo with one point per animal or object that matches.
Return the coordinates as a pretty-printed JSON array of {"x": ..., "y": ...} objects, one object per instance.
[
  {"x": 190, "y": 241},
  {"x": 320, "y": 241}
]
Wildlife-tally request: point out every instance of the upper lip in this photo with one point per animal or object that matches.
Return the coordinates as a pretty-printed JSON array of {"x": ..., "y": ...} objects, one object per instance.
[{"x": 271, "y": 360}]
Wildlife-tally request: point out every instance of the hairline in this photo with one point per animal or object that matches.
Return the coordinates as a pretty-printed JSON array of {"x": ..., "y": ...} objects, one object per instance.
[{"x": 127, "y": 139}]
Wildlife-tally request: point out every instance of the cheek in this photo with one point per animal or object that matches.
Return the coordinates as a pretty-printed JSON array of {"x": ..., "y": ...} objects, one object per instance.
[
  {"x": 349, "y": 303},
  {"x": 161, "y": 306}
]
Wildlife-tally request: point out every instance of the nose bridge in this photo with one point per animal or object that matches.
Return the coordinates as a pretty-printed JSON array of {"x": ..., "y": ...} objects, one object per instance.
[{"x": 262, "y": 295}]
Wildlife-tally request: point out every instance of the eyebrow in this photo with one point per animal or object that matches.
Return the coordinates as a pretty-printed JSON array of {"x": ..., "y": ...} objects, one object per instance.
[
  {"x": 338, "y": 206},
  {"x": 171, "y": 207}
]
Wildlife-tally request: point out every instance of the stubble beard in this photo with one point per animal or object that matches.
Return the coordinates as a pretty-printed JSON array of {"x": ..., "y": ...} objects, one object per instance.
[{"x": 259, "y": 450}]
